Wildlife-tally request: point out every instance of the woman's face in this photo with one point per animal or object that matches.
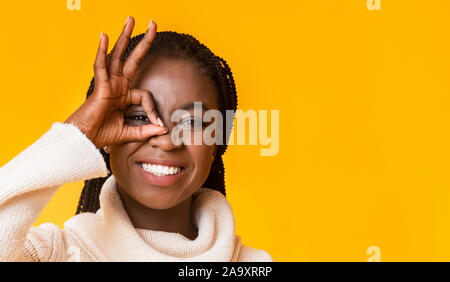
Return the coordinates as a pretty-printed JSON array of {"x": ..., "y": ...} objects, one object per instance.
[{"x": 175, "y": 84}]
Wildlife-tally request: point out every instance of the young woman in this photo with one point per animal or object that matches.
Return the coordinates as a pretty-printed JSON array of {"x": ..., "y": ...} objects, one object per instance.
[{"x": 146, "y": 198}]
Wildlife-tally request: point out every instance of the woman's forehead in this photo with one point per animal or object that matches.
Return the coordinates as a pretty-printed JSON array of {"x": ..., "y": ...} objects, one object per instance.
[{"x": 175, "y": 82}]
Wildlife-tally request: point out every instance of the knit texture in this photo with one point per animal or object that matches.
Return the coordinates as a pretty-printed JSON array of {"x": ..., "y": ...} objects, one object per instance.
[{"x": 64, "y": 154}]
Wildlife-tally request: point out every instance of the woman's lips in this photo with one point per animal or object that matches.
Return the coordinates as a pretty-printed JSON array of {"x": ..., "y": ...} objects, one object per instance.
[
  {"x": 160, "y": 172},
  {"x": 160, "y": 162}
]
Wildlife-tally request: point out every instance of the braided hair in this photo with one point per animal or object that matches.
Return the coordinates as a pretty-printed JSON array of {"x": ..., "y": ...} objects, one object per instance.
[{"x": 179, "y": 45}]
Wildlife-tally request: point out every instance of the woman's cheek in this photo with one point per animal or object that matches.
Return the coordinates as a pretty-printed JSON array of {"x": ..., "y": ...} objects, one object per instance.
[
  {"x": 119, "y": 160},
  {"x": 202, "y": 155},
  {"x": 191, "y": 137}
]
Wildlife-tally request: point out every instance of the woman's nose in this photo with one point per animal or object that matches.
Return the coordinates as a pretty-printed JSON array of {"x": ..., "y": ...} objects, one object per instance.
[{"x": 164, "y": 141}]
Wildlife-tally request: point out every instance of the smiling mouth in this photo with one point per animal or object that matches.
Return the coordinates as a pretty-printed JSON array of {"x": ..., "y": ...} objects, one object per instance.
[{"x": 161, "y": 170}]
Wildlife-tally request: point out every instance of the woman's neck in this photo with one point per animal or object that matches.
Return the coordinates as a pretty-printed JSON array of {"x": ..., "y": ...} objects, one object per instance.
[{"x": 176, "y": 219}]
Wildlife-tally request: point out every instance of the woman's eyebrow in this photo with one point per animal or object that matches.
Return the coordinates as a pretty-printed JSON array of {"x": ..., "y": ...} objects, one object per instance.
[
  {"x": 190, "y": 106},
  {"x": 135, "y": 108}
]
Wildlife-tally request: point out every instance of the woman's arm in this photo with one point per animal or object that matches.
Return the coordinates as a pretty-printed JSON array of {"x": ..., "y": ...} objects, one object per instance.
[
  {"x": 27, "y": 182},
  {"x": 69, "y": 152}
]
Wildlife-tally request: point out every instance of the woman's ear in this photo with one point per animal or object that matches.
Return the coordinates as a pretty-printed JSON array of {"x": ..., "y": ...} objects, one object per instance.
[
  {"x": 214, "y": 154},
  {"x": 106, "y": 149}
]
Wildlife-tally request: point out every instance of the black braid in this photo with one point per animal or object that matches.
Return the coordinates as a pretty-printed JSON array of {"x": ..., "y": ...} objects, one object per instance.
[{"x": 178, "y": 45}]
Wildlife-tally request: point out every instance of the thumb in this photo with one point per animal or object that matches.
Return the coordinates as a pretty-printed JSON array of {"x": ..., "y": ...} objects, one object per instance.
[{"x": 139, "y": 133}]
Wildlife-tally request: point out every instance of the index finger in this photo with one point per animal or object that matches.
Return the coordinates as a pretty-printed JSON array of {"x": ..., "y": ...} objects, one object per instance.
[
  {"x": 145, "y": 99},
  {"x": 137, "y": 55}
]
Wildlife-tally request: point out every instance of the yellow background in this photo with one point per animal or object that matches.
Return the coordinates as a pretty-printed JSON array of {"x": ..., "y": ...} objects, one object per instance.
[{"x": 363, "y": 97}]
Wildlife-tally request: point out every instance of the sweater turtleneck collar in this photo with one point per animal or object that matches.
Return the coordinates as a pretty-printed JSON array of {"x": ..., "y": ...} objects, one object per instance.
[{"x": 112, "y": 236}]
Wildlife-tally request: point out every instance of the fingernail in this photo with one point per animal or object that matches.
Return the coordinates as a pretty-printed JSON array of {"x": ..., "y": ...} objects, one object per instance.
[
  {"x": 164, "y": 132},
  {"x": 160, "y": 122},
  {"x": 101, "y": 36},
  {"x": 150, "y": 24},
  {"x": 128, "y": 20}
]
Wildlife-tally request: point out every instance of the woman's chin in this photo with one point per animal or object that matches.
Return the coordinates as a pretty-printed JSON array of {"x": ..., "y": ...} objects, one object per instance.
[{"x": 158, "y": 200}]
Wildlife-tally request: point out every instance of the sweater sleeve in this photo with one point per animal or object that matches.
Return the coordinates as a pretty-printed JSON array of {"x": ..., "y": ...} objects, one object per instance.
[{"x": 61, "y": 155}]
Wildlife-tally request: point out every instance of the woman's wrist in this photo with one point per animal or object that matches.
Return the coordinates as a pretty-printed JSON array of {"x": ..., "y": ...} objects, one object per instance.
[{"x": 81, "y": 126}]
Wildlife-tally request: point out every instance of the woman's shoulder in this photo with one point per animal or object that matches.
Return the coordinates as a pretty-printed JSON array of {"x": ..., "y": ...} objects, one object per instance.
[{"x": 250, "y": 254}]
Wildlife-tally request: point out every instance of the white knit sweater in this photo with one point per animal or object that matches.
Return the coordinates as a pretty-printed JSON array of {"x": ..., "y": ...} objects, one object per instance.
[{"x": 64, "y": 154}]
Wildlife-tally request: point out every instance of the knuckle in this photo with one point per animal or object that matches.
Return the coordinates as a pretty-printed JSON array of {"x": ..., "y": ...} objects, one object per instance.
[
  {"x": 136, "y": 60},
  {"x": 98, "y": 66},
  {"x": 142, "y": 92},
  {"x": 115, "y": 55},
  {"x": 127, "y": 76}
]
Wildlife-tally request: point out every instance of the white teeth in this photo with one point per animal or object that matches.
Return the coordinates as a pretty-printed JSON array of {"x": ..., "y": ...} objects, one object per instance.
[{"x": 160, "y": 170}]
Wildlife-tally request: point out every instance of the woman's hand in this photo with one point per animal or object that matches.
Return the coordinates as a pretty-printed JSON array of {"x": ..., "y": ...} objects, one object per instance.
[{"x": 101, "y": 117}]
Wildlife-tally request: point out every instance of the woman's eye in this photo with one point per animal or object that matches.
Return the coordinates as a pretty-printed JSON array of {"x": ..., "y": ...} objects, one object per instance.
[
  {"x": 193, "y": 122},
  {"x": 137, "y": 118}
]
